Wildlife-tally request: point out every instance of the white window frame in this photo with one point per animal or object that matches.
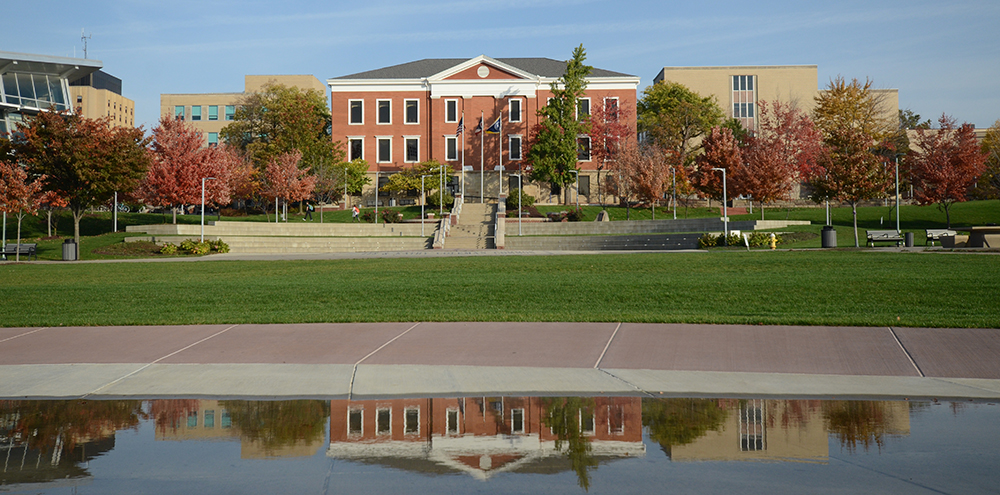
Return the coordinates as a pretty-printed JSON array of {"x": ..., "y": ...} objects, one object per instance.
[
  {"x": 378, "y": 112},
  {"x": 520, "y": 109},
  {"x": 349, "y": 115},
  {"x": 589, "y": 108},
  {"x": 590, "y": 148},
  {"x": 514, "y": 428},
  {"x": 614, "y": 99},
  {"x": 447, "y": 422},
  {"x": 447, "y": 158},
  {"x": 356, "y": 138},
  {"x": 361, "y": 411},
  {"x": 378, "y": 149},
  {"x": 406, "y": 412},
  {"x": 378, "y": 411},
  {"x": 510, "y": 147},
  {"x": 406, "y": 149},
  {"x": 451, "y": 102},
  {"x": 593, "y": 423},
  {"x": 405, "y": 116}
]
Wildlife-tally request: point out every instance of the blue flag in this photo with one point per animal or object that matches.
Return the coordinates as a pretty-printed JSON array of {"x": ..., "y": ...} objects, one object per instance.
[{"x": 495, "y": 128}]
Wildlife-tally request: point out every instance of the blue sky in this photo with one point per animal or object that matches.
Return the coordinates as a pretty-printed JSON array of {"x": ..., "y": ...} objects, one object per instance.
[{"x": 942, "y": 56}]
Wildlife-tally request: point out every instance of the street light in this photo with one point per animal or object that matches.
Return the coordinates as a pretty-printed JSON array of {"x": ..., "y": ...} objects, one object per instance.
[
  {"x": 577, "y": 172},
  {"x": 520, "y": 192},
  {"x": 725, "y": 209},
  {"x": 423, "y": 201},
  {"x": 673, "y": 196},
  {"x": 203, "y": 179}
]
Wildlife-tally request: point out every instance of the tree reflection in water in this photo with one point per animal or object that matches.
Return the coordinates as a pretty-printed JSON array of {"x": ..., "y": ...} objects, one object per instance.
[
  {"x": 64, "y": 423},
  {"x": 858, "y": 422},
  {"x": 278, "y": 424},
  {"x": 673, "y": 422},
  {"x": 563, "y": 416}
]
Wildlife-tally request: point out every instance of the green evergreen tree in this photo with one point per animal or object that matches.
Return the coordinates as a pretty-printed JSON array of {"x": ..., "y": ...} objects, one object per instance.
[{"x": 554, "y": 145}]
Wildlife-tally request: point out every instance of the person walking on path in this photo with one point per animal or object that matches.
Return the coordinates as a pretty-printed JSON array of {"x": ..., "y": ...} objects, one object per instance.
[
  {"x": 309, "y": 211},
  {"x": 354, "y": 213}
]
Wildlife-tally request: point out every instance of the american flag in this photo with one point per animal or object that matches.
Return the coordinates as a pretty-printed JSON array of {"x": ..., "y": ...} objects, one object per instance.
[{"x": 461, "y": 127}]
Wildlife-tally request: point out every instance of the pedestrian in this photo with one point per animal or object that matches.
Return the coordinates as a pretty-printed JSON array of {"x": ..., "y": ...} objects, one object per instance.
[
  {"x": 354, "y": 213},
  {"x": 309, "y": 211}
]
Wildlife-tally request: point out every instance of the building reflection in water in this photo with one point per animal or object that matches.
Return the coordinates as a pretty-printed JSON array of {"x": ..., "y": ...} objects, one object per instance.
[
  {"x": 44, "y": 441},
  {"x": 483, "y": 436}
]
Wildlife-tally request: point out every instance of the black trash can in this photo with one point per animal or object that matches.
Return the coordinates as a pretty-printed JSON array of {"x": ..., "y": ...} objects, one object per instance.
[
  {"x": 908, "y": 239},
  {"x": 69, "y": 250},
  {"x": 828, "y": 237}
]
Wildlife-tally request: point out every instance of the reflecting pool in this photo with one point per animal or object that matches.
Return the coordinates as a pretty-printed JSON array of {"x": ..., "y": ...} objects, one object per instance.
[{"x": 499, "y": 444}]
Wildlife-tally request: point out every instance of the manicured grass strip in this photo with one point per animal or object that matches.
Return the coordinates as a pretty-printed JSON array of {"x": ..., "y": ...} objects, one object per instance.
[{"x": 762, "y": 287}]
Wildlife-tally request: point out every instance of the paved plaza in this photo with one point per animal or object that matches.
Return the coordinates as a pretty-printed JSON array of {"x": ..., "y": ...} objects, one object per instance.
[{"x": 373, "y": 360}]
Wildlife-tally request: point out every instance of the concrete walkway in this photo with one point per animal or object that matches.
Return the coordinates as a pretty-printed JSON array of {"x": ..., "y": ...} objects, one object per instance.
[{"x": 372, "y": 360}]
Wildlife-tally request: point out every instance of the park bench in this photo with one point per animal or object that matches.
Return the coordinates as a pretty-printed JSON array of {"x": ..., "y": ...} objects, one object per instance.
[
  {"x": 28, "y": 250},
  {"x": 884, "y": 236},
  {"x": 937, "y": 234}
]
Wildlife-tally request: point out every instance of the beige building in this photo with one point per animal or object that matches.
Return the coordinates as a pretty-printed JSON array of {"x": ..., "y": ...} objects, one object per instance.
[
  {"x": 98, "y": 95},
  {"x": 210, "y": 112},
  {"x": 739, "y": 89}
]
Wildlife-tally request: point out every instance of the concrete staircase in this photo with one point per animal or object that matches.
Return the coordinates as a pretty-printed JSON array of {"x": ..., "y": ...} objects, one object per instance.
[
  {"x": 473, "y": 229},
  {"x": 259, "y": 237}
]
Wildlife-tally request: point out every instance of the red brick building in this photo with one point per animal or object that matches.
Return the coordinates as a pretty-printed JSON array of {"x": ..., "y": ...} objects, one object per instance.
[{"x": 405, "y": 114}]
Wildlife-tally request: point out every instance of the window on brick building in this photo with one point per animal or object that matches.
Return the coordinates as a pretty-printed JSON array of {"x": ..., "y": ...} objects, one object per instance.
[
  {"x": 384, "y": 108},
  {"x": 411, "y": 111},
  {"x": 357, "y": 114},
  {"x": 451, "y": 111}
]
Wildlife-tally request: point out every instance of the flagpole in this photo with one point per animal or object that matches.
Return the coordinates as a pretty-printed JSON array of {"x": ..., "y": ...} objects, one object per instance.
[
  {"x": 463, "y": 154},
  {"x": 500, "y": 159},
  {"x": 482, "y": 162}
]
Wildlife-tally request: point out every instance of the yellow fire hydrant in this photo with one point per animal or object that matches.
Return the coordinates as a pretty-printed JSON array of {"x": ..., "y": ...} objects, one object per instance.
[{"x": 774, "y": 242}]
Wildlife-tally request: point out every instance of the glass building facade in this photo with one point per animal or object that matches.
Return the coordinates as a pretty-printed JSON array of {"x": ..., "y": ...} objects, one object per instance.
[{"x": 36, "y": 83}]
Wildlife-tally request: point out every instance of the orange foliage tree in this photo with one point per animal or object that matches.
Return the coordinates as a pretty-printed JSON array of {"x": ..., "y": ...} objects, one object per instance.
[
  {"x": 18, "y": 194},
  {"x": 284, "y": 180}
]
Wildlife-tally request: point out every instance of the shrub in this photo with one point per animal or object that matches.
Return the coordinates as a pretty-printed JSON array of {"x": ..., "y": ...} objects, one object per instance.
[
  {"x": 368, "y": 216},
  {"x": 527, "y": 200},
  {"x": 219, "y": 245},
  {"x": 575, "y": 215},
  {"x": 168, "y": 248},
  {"x": 390, "y": 216},
  {"x": 433, "y": 199},
  {"x": 756, "y": 239},
  {"x": 707, "y": 241}
]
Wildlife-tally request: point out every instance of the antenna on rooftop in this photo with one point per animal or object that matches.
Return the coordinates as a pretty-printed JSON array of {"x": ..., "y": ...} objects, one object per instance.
[{"x": 84, "y": 39}]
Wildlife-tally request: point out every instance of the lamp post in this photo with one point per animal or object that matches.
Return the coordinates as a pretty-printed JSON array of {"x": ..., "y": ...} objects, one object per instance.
[
  {"x": 577, "y": 172},
  {"x": 897, "y": 193},
  {"x": 673, "y": 195},
  {"x": 520, "y": 192},
  {"x": 725, "y": 209},
  {"x": 423, "y": 201},
  {"x": 441, "y": 193},
  {"x": 203, "y": 179}
]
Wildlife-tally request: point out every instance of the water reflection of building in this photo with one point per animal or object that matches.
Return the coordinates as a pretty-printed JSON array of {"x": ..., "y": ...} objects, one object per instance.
[
  {"x": 784, "y": 430},
  {"x": 481, "y": 436},
  {"x": 206, "y": 420}
]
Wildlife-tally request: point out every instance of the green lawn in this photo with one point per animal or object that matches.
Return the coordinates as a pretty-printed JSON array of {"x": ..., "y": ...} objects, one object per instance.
[{"x": 719, "y": 286}]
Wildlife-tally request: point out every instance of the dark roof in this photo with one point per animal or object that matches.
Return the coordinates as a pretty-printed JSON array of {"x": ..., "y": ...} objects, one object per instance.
[{"x": 545, "y": 67}]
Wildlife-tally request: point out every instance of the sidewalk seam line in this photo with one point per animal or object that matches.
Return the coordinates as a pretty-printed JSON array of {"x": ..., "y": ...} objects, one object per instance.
[
  {"x": 354, "y": 372},
  {"x": 23, "y": 334},
  {"x": 606, "y": 346},
  {"x": 143, "y": 367},
  {"x": 626, "y": 382},
  {"x": 908, "y": 356}
]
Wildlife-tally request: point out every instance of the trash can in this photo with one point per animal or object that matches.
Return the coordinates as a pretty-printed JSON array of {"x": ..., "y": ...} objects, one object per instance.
[
  {"x": 69, "y": 250},
  {"x": 908, "y": 239},
  {"x": 828, "y": 237}
]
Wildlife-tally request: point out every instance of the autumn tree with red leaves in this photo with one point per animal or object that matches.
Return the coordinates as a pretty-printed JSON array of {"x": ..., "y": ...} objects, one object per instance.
[
  {"x": 610, "y": 133},
  {"x": 19, "y": 194},
  {"x": 720, "y": 150},
  {"x": 84, "y": 161},
  {"x": 179, "y": 163},
  {"x": 945, "y": 163},
  {"x": 283, "y": 179},
  {"x": 781, "y": 153}
]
